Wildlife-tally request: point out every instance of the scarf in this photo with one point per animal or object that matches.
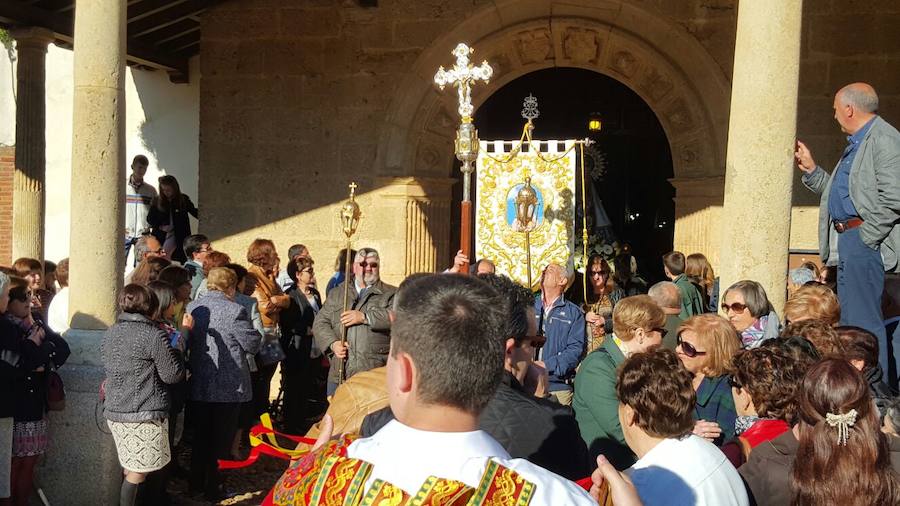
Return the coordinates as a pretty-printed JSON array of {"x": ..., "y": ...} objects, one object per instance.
[
  {"x": 753, "y": 335},
  {"x": 743, "y": 423}
]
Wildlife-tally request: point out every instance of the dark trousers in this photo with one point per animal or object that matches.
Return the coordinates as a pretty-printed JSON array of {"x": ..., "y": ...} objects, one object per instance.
[
  {"x": 860, "y": 283},
  {"x": 214, "y": 426},
  {"x": 261, "y": 381},
  {"x": 892, "y": 373}
]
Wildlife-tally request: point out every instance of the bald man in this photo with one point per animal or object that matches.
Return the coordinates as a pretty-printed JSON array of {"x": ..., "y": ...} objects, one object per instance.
[
  {"x": 667, "y": 296},
  {"x": 860, "y": 209},
  {"x": 562, "y": 323}
]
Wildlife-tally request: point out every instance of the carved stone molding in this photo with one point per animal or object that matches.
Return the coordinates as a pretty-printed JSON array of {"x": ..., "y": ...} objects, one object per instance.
[
  {"x": 581, "y": 45},
  {"x": 534, "y": 46}
]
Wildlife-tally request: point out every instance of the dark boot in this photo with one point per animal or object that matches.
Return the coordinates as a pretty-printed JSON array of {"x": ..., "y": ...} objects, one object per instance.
[{"x": 128, "y": 493}]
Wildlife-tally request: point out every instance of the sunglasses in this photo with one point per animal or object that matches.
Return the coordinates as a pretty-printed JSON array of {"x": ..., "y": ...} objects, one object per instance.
[
  {"x": 737, "y": 307},
  {"x": 599, "y": 273},
  {"x": 734, "y": 384},
  {"x": 688, "y": 348},
  {"x": 373, "y": 265}
]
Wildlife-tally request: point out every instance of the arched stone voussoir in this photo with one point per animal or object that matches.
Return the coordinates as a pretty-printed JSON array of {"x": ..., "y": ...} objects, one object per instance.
[{"x": 657, "y": 59}]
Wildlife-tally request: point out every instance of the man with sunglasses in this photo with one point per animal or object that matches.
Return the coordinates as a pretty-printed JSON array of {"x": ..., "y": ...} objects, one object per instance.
[{"x": 368, "y": 325}]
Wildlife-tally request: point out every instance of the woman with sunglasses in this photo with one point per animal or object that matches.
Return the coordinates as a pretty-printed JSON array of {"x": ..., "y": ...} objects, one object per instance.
[
  {"x": 706, "y": 345},
  {"x": 603, "y": 294},
  {"x": 301, "y": 366},
  {"x": 638, "y": 324},
  {"x": 747, "y": 307}
]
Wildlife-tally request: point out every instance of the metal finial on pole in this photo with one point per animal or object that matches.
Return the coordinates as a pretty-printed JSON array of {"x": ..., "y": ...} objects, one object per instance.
[
  {"x": 350, "y": 215},
  {"x": 463, "y": 75}
]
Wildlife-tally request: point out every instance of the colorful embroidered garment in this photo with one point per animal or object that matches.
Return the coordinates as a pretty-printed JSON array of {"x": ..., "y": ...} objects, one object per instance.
[{"x": 329, "y": 477}]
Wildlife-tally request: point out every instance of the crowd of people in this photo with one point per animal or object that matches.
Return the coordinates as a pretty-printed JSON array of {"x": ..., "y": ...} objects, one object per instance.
[{"x": 466, "y": 385}]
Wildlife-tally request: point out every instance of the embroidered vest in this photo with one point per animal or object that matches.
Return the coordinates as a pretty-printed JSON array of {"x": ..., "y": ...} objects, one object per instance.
[{"x": 330, "y": 478}]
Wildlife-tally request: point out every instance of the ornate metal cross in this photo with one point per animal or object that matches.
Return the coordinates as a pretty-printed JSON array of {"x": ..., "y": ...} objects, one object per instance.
[
  {"x": 530, "y": 108},
  {"x": 463, "y": 75}
]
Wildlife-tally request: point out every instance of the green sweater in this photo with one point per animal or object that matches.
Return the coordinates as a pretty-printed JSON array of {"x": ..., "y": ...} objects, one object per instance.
[
  {"x": 691, "y": 302},
  {"x": 596, "y": 406}
]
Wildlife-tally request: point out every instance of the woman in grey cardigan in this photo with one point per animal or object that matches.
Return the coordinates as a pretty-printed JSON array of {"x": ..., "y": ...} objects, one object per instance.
[
  {"x": 139, "y": 363},
  {"x": 220, "y": 339}
]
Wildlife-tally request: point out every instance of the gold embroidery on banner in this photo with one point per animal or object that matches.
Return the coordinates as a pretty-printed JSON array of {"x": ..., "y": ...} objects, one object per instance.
[{"x": 553, "y": 240}]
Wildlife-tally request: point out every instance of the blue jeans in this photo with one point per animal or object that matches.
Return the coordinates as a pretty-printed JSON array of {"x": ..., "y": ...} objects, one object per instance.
[{"x": 860, "y": 283}]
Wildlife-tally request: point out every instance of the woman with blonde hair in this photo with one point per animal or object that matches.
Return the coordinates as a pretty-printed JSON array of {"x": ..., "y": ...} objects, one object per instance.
[
  {"x": 812, "y": 302},
  {"x": 706, "y": 345},
  {"x": 698, "y": 269},
  {"x": 221, "y": 337},
  {"x": 638, "y": 324}
]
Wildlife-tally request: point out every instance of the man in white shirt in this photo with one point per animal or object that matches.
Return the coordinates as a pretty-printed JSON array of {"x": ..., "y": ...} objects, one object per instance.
[
  {"x": 445, "y": 363},
  {"x": 674, "y": 467},
  {"x": 138, "y": 195}
]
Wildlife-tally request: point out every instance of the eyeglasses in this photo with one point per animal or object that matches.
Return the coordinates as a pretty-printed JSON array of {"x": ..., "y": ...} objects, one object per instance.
[
  {"x": 737, "y": 307},
  {"x": 599, "y": 273},
  {"x": 373, "y": 265},
  {"x": 733, "y": 383},
  {"x": 662, "y": 331},
  {"x": 309, "y": 271},
  {"x": 688, "y": 348}
]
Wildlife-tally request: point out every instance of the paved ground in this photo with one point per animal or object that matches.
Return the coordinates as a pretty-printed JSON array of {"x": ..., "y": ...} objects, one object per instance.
[{"x": 252, "y": 483}]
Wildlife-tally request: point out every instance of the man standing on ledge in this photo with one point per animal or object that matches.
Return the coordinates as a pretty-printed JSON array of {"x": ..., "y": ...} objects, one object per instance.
[{"x": 860, "y": 208}]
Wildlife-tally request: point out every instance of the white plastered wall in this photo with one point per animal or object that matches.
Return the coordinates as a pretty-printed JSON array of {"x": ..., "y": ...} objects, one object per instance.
[{"x": 161, "y": 122}]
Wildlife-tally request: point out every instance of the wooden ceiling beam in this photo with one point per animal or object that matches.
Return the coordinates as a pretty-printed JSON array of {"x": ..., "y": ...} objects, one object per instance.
[
  {"x": 168, "y": 33},
  {"x": 169, "y": 16},
  {"x": 145, "y": 8},
  {"x": 16, "y": 13}
]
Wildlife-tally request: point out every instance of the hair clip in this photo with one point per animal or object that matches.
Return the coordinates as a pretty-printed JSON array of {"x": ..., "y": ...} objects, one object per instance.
[{"x": 843, "y": 423}]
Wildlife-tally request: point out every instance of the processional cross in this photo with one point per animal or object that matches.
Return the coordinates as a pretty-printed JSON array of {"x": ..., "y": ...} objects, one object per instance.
[{"x": 463, "y": 75}]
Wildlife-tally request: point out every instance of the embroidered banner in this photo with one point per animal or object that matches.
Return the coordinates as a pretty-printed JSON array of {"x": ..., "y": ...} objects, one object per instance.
[{"x": 501, "y": 170}]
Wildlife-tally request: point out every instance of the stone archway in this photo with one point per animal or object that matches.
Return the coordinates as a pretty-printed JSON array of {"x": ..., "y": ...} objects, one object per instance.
[{"x": 657, "y": 59}]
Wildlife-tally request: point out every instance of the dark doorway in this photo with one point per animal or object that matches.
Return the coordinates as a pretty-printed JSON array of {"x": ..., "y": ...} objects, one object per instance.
[{"x": 631, "y": 147}]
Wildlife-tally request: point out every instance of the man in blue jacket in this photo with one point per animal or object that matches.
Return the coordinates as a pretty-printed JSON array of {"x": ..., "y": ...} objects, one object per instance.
[{"x": 562, "y": 324}]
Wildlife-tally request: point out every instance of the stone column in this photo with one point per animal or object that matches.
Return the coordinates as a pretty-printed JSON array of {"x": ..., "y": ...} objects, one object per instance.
[
  {"x": 98, "y": 158},
  {"x": 84, "y": 468},
  {"x": 756, "y": 217},
  {"x": 420, "y": 239},
  {"x": 31, "y": 113},
  {"x": 698, "y": 208}
]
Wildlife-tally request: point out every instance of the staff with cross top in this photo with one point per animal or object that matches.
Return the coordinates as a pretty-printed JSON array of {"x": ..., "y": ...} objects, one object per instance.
[{"x": 463, "y": 75}]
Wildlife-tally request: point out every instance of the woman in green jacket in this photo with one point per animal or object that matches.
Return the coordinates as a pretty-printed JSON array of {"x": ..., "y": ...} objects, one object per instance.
[{"x": 638, "y": 324}]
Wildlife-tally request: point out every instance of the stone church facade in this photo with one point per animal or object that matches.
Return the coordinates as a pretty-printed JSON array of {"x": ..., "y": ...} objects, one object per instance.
[{"x": 299, "y": 98}]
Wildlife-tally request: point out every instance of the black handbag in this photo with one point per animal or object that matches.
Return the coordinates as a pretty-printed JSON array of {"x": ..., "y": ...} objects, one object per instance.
[{"x": 56, "y": 392}]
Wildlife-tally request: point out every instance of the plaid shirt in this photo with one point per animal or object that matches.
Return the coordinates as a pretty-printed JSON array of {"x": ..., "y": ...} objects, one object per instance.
[{"x": 715, "y": 404}]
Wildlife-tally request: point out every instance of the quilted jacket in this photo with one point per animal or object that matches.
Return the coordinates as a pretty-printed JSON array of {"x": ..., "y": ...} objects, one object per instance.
[{"x": 139, "y": 363}]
